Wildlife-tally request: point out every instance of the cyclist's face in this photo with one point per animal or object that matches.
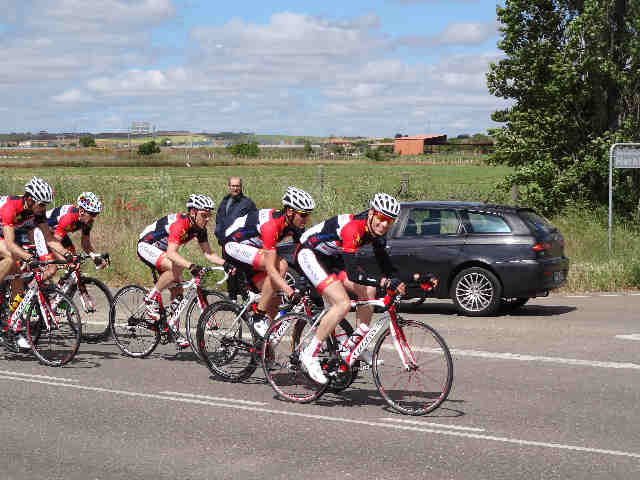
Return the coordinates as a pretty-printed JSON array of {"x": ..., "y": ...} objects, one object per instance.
[
  {"x": 380, "y": 223},
  {"x": 300, "y": 219},
  {"x": 202, "y": 218},
  {"x": 86, "y": 217},
  {"x": 36, "y": 207}
]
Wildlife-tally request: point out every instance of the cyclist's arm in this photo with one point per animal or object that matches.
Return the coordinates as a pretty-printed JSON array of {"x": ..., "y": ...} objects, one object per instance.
[
  {"x": 210, "y": 255},
  {"x": 270, "y": 262},
  {"x": 53, "y": 241},
  {"x": 85, "y": 242},
  {"x": 175, "y": 257},
  {"x": 10, "y": 240}
]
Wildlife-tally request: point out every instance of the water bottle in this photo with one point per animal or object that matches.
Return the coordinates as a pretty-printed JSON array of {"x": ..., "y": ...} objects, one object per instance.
[{"x": 16, "y": 301}]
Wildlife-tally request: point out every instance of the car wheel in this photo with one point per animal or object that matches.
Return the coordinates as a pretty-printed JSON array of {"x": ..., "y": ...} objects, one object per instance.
[
  {"x": 476, "y": 292},
  {"x": 511, "y": 304}
]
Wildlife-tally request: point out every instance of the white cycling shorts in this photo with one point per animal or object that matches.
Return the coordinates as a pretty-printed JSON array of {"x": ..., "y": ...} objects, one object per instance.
[
  {"x": 315, "y": 272},
  {"x": 150, "y": 254},
  {"x": 244, "y": 253}
]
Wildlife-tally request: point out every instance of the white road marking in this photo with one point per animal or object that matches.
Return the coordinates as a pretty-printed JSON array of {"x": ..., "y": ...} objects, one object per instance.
[
  {"x": 516, "y": 441},
  {"x": 219, "y": 399},
  {"x": 609, "y": 295},
  {"x": 31, "y": 375},
  {"x": 430, "y": 424},
  {"x": 535, "y": 358},
  {"x": 633, "y": 336},
  {"x": 529, "y": 358}
]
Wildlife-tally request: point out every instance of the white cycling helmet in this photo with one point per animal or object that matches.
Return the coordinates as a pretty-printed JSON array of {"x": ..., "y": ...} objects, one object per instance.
[
  {"x": 200, "y": 202},
  {"x": 298, "y": 200},
  {"x": 386, "y": 204},
  {"x": 89, "y": 202},
  {"x": 40, "y": 190}
]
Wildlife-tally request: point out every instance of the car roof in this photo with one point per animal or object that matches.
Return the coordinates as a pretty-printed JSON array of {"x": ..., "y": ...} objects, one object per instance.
[{"x": 457, "y": 204}]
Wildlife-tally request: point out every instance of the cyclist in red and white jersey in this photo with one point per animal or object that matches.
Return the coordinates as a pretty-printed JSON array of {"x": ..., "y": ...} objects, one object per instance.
[
  {"x": 158, "y": 248},
  {"x": 252, "y": 240},
  {"x": 327, "y": 256},
  {"x": 71, "y": 218},
  {"x": 15, "y": 211}
]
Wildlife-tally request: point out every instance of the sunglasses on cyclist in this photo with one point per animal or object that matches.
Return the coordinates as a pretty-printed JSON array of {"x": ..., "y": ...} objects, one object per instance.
[
  {"x": 385, "y": 218},
  {"x": 42, "y": 204},
  {"x": 303, "y": 213}
]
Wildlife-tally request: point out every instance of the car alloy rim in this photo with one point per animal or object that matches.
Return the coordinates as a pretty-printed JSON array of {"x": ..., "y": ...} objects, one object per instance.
[{"x": 474, "y": 292}]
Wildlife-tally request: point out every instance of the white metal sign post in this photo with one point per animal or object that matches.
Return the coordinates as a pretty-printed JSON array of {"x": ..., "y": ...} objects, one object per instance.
[{"x": 621, "y": 155}]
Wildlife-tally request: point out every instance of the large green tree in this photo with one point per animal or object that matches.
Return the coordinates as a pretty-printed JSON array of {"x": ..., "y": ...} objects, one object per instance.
[{"x": 571, "y": 70}]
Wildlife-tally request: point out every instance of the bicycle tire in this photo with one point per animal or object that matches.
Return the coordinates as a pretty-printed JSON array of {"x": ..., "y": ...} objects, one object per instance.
[
  {"x": 432, "y": 359},
  {"x": 56, "y": 342},
  {"x": 280, "y": 359},
  {"x": 135, "y": 335},
  {"x": 212, "y": 296},
  {"x": 225, "y": 342},
  {"x": 95, "y": 324}
]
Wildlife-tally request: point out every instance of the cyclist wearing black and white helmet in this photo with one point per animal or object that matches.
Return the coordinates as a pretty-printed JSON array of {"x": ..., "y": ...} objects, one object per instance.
[
  {"x": 327, "y": 256},
  {"x": 158, "y": 246},
  {"x": 26, "y": 210},
  {"x": 67, "y": 219},
  {"x": 251, "y": 241}
]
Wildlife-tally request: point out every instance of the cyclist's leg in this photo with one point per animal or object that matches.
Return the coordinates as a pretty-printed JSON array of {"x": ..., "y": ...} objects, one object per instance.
[
  {"x": 7, "y": 260},
  {"x": 363, "y": 292},
  {"x": 43, "y": 252}
]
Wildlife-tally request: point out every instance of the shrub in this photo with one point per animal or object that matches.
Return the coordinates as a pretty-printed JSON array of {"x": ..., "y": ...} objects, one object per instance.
[{"x": 148, "y": 148}]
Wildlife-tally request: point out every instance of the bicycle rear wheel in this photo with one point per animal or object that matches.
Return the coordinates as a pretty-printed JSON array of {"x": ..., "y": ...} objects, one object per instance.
[
  {"x": 191, "y": 320},
  {"x": 54, "y": 341},
  {"x": 225, "y": 342},
  {"x": 426, "y": 383},
  {"x": 283, "y": 343},
  {"x": 134, "y": 333},
  {"x": 94, "y": 298}
]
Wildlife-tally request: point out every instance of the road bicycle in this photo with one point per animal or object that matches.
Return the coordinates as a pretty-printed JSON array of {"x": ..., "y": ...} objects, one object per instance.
[
  {"x": 227, "y": 343},
  {"x": 137, "y": 335},
  {"x": 411, "y": 363},
  {"x": 93, "y": 296},
  {"x": 46, "y": 316}
]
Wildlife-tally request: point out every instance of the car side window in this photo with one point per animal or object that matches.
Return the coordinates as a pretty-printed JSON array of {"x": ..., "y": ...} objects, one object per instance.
[
  {"x": 488, "y": 223},
  {"x": 430, "y": 221}
]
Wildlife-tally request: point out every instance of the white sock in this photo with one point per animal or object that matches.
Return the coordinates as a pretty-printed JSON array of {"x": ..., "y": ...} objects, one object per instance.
[{"x": 313, "y": 347}]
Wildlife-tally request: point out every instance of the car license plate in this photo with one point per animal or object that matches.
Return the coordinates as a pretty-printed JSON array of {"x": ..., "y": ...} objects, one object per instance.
[{"x": 558, "y": 276}]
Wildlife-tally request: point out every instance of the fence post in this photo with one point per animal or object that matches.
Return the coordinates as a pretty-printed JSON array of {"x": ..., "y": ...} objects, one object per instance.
[
  {"x": 515, "y": 194},
  {"x": 320, "y": 178},
  {"x": 404, "y": 184}
]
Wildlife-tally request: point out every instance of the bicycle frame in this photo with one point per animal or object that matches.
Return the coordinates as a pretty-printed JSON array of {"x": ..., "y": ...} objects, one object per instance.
[{"x": 33, "y": 290}]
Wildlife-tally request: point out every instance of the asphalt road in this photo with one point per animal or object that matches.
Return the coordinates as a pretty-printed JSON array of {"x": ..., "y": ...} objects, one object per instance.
[{"x": 551, "y": 392}]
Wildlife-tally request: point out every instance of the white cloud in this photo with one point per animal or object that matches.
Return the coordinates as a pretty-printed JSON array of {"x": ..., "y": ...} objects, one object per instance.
[{"x": 72, "y": 96}]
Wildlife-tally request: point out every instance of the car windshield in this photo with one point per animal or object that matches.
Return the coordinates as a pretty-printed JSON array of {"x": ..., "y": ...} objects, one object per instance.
[{"x": 535, "y": 221}]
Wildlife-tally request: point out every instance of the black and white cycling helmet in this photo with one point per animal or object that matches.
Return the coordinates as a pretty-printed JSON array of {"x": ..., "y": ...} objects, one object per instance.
[
  {"x": 298, "y": 200},
  {"x": 386, "y": 204},
  {"x": 200, "y": 202},
  {"x": 89, "y": 202},
  {"x": 40, "y": 190}
]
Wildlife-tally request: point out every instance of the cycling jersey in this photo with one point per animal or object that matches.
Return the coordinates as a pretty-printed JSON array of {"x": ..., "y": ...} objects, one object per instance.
[
  {"x": 14, "y": 214},
  {"x": 262, "y": 229},
  {"x": 175, "y": 228},
  {"x": 341, "y": 236},
  {"x": 65, "y": 219}
]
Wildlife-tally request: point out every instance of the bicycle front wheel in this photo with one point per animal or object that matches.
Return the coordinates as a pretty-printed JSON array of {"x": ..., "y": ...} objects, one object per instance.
[
  {"x": 191, "y": 320},
  {"x": 54, "y": 334},
  {"x": 225, "y": 342},
  {"x": 94, "y": 298},
  {"x": 283, "y": 344},
  {"x": 134, "y": 333},
  {"x": 420, "y": 386}
]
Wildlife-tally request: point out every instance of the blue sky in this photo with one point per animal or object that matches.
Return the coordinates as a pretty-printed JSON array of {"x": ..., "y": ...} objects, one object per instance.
[{"x": 371, "y": 68}]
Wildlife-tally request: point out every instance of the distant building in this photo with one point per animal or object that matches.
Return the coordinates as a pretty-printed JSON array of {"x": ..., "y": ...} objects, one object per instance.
[
  {"x": 141, "y": 128},
  {"x": 416, "y": 145}
]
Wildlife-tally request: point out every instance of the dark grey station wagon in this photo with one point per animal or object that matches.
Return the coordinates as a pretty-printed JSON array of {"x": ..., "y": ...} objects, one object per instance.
[{"x": 485, "y": 256}]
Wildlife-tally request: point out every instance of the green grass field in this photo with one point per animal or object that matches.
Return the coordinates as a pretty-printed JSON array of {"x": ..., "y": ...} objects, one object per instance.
[{"x": 136, "y": 196}]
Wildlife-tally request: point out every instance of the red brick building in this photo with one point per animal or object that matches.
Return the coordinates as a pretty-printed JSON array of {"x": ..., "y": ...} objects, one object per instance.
[{"x": 415, "y": 145}]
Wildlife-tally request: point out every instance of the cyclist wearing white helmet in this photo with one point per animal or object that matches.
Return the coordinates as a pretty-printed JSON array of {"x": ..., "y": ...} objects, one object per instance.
[
  {"x": 71, "y": 218},
  {"x": 327, "y": 256},
  {"x": 26, "y": 210},
  {"x": 158, "y": 248},
  {"x": 251, "y": 241}
]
